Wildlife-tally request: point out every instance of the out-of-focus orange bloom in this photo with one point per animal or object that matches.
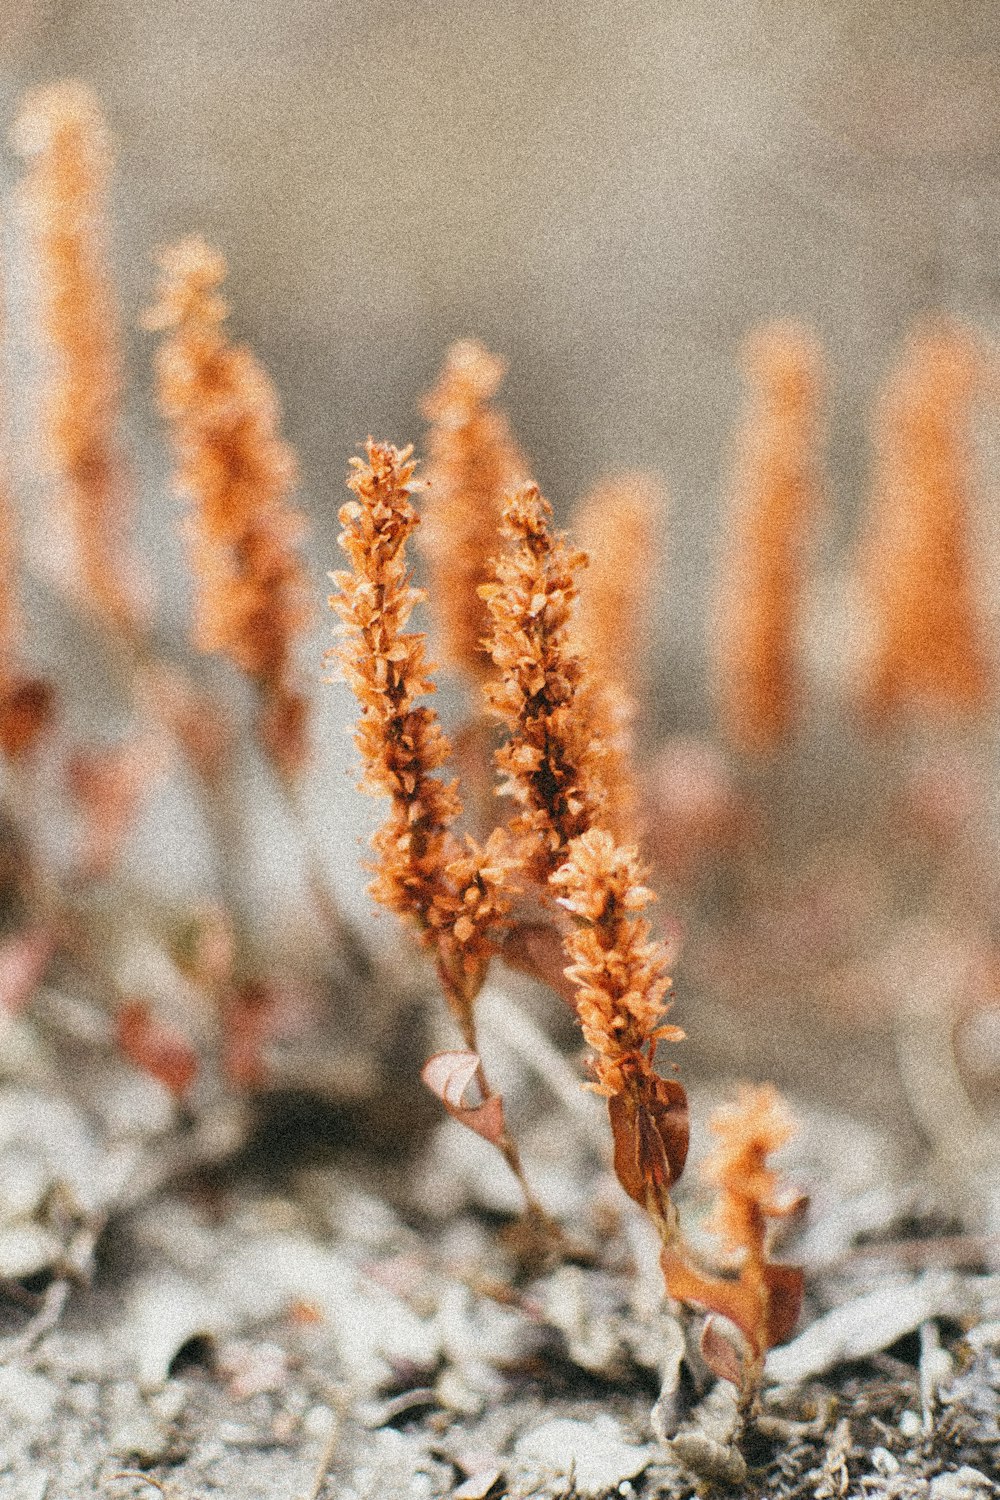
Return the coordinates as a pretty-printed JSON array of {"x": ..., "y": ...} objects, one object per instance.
[
  {"x": 238, "y": 475},
  {"x": 774, "y": 501},
  {"x": 26, "y": 702},
  {"x": 928, "y": 650},
  {"x": 619, "y": 526},
  {"x": 764, "y": 1301},
  {"x": 473, "y": 462},
  {"x": 63, "y": 198}
]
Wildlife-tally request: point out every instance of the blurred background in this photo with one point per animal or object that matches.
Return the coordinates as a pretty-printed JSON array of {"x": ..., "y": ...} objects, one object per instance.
[{"x": 609, "y": 195}]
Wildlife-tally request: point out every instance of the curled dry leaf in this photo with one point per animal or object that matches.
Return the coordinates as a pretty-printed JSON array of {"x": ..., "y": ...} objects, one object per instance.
[
  {"x": 651, "y": 1137},
  {"x": 23, "y": 962},
  {"x": 765, "y": 1313},
  {"x": 156, "y": 1048},
  {"x": 450, "y": 1075},
  {"x": 719, "y": 1352}
]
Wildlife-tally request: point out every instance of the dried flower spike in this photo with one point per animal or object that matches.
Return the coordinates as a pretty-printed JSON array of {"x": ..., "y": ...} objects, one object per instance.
[
  {"x": 764, "y": 1300},
  {"x": 551, "y": 763},
  {"x": 63, "y": 197},
  {"x": 929, "y": 649},
  {"x": 238, "y": 474},
  {"x": 454, "y": 893},
  {"x": 618, "y": 525},
  {"x": 473, "y": 463},
  {"x": 621, "y": 982},
  {"x": 773, "y": 505}
]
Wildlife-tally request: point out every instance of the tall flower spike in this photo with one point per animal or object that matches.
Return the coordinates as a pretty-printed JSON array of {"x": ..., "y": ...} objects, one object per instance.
[
  {"x": 473, "y": 462},
  {"x": 773, "y": 504},
  {"x": 238, "y": 474},
  {"x": 929, "y": 650},
  {"x": 457, "y": 895},
  {"x": 454, "y": 894},
  {"x": 619, "y": 525},
  {"x": 64, "y": 202},
  {"x": 764, "y": 1300},
  {"x": 552, "y": 760},
  {"x": 621, "y": 981}
]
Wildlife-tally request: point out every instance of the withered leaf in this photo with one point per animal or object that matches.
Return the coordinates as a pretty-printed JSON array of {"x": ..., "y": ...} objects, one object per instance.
[
  {"x": 651, "y": 1137},
  {"x": 449, "y": 1076},
  {"x": 785, "y": 1285},
  {"x": 536, "y": 949},
  {"x": 730, "y": 1299},
  {"x": 765, "y": 1315},
  {"x": 720, "y": 1352}
]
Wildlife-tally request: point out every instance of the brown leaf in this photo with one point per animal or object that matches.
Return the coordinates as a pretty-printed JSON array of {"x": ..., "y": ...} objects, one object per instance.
[
  {"x": 23, "y": 962},
  {"x": 651, "y": 1137},
  {"x": 27, "y": 707},
  {"x": 720, "y": 1353},
  {"x": 785, "y": 1285},
  {"x": 765, "y": 1316},
  {"x": 669, "y": 1106},
  {"x": 449, "y": 1076},
  {"x": 730, "y": 1299}
]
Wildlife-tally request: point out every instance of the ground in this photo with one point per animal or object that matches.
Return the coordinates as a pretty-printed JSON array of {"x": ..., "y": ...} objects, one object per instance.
[{"x": 308, "y": 1323}]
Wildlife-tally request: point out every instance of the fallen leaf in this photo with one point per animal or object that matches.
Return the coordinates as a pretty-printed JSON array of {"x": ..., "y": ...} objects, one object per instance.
[{"x": 593, "y": 1455}]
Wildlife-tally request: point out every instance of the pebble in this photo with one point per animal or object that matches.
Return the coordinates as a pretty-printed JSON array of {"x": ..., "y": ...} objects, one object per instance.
[
  {"x": 83, "y": 1397},
  {"x": 318, "y": 1422},
  {"x": 26, "y": 1249},
  {"x": 966, "y": 1483},
  {"x": 595, "y": 1453},
  {"x": 884, "y": 1461},
  {"x": 169, "y": 1402},
  {"x": 910, "y": 1424}
]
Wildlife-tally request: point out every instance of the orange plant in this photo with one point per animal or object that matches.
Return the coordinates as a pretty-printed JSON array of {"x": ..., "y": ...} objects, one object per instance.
[
  {"x": 555, "y": 884},
  {"x": 554, "y": 768},
  {"x": 238, "y": 474},
  {"x": 928, "y": 642},
  {"x": 764, "y": 1298},
  {"x": 63, "y": 201},
  {"x": 774, "y": 502}
]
